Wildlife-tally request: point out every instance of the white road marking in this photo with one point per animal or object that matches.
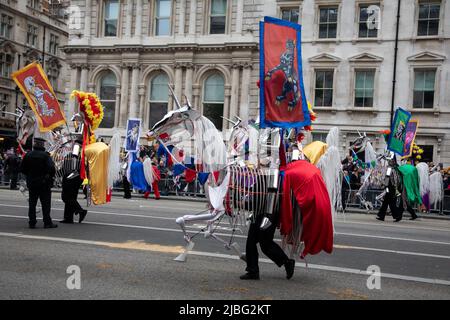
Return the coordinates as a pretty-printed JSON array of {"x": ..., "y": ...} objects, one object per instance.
[
  {"x": 244, "y": 237},
  {"x": 390, "y": 238},
  {"x": 232, "y": 257},
  {"x": 387, "y": 225}
]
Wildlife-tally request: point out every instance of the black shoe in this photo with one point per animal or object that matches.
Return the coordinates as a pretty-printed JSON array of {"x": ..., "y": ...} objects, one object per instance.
[
  {"x": 66, "y": 221},
  {"x": 83, "y": 214},
  {"x": 379, "y": 218},
  {"x": 250, "y": 276},
  {"x": 32, "y": 226},
  {"x": 50, "y": 226},
  {"x": 398, "y": 219},
  {"x": 413, "y": 218},
  {"x": 290, "y": 267}
]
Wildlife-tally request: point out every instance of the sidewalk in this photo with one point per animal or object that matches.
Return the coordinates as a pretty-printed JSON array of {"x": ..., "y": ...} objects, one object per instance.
[{"x": 119, "y": 194}]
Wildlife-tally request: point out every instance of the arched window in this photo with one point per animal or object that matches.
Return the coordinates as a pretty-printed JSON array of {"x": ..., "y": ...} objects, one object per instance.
[
  {"x": 213, "y": 97},
  {"x": 158, "y": 98},
  {"x": 108, "y": 99}
]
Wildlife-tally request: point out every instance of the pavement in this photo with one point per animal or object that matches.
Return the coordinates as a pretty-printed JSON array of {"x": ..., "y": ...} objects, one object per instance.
[{"x": 126, "y": 250}]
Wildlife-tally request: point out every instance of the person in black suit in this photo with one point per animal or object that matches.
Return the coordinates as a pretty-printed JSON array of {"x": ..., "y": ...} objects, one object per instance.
[{"x": 39, "y": 169}]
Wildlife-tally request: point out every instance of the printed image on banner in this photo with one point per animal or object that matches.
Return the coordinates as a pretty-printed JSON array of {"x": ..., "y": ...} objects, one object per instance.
[
  {"x": 35, "y": 86},
  {"x": 411, "y": 131},
  {"x": 282, "y": 95},
  {"x": 396, "y": 142},
  {"x": 133, "y": 134}
]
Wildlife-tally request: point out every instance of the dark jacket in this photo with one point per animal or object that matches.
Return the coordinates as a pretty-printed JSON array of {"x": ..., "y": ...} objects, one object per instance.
[
  {"x": 12, "y": 164},
  {"x": 38, "y": 168}
]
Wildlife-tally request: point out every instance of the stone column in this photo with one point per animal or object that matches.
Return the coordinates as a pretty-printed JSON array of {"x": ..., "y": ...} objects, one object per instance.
[
  {"x": 73, "y": 86},
  {"x": 138, "y": 26},
  {"x": 234, "y": 100},
  {"x": 178, "y": 83},
  {"x": 84, "y": 77},
  {"x": 245, "y": 90},
  {"x": 188, "y": 82},
  {"x": 142, "y": 105},
  {"x": 226, "y": 107},
  {"x": 196, "y": 94},
  {"x": 192, "y": 16},
  {"x": 117, "y": 107},
  {"x": 239, "y": 15},
  {"x": 181, "y": 17},
  {"x": 129, "y": 18},
  {"x": 124, "y": 96},
  {"x": 134, "y": 90},
  {"x": 87, "y": 19}
]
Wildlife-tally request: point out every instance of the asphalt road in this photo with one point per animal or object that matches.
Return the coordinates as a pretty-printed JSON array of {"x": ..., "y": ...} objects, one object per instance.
[{"x": 126, "y": 250}]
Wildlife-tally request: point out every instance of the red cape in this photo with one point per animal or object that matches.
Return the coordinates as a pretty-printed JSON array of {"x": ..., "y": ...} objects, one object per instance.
[{"x": 310, "y": 191}]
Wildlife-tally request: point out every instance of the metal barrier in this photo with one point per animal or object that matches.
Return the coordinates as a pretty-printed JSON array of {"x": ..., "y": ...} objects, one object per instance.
[{"x": 353, "y": 201}]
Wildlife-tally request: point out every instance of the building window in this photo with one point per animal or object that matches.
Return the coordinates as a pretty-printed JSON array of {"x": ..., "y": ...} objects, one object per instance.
[
  {"x": 424, "y": 88},
  {"x": 111, "y": 18},
  {"x": 218, "y": 14},
  {"x": 427, "y": 155},
  {"x": 367, "y": 25},
  {"x": 53, "y": 75},
  {"x": 6, "y": 26},
  {"x": 328, "y": 22},
  {"x": 162, "y": 17},
  {"x": 108, "y": 98},
  {"x": 213, "y": 99},
  {"x": 319, "y": 136},
  {"x": 290, "y": 14},
  {"x": 323, "y": 93},
  {"x": 32, "y": 35},
  {"x": 364, "y": 86},
  {"x": 34, "y": 4},
  {"x": 54, "y": 44},
  {"x": 6, "y": 61},
  {"x": 4, "y": 103},
  {"x": 428, "y": 24},
  {"x": 158, "y": 98}
]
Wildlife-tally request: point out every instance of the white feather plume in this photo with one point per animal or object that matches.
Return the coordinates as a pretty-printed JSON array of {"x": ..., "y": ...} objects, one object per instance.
[
  {"x": 424, "y": 178},
  {"x": 436, "y": 188},
  {"x": 114, "y": 160},
  {"x": 148, "y": 171}
]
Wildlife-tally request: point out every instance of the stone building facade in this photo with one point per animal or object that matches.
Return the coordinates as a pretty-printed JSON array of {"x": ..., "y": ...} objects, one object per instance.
[
  {"x": 128, "y": 50},
  {"x": 30, "y": 30}
]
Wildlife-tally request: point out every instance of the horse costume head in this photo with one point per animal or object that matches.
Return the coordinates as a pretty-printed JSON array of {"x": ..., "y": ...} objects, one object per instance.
[{"x": 359, "y": 144}]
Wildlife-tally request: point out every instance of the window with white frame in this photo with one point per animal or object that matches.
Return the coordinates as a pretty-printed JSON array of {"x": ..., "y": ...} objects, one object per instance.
[
  {"x": 328, "y": 20},
  {"x": 323, "y": 90},
  {"x": 428, "y": 23},
  {"x": 218, "y": 16},
  {"x": 111, "y": 18},
  {"x": 364, "y": 88},
  {"x": 34, "y": 4},
  {"x": 6, "y": 61},
  {"x": 290, "y": 14},
  {"x": 5, "y": 98},
  {"x": 368, "y": 20},
  {"x": 6, "y": 26},
  {"x": 213, "y": 99},
  {"x": 158, "y": 98},
  {"x": 108, "y": 98},
  {"x": 54, "y": 44},
  {"x": 424, "y": 80},
  {"x": 32, "y": 35},
  {"x": 163, "y": 13}
]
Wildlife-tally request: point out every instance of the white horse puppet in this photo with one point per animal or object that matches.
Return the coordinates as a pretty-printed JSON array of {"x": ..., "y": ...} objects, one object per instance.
[{"x": 235, "y": 191}]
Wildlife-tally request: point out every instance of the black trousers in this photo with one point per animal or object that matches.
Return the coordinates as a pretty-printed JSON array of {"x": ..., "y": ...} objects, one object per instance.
[
  {"x": 391, "y": 201},
  {"x": 13, "y": 185},
  {"x": 268, "y": 247},
  {"x": 43, "y": 193},
  {"x": 126, "y": 188},
  {"x": 69, "y": 195}
]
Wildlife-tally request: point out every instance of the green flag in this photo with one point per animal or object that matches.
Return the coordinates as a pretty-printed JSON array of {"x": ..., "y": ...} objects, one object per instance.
[{"x": 396, "y": 142}]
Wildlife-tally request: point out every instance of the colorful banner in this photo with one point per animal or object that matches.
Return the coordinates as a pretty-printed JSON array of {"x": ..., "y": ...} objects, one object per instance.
[
  {"x": 411, "y": 131},
  {"x": 282, "y": 95},
  {"x": 396, "y": 142},
  {"x": 35, "y": 86},
  {"x": 133, "y": 134}
]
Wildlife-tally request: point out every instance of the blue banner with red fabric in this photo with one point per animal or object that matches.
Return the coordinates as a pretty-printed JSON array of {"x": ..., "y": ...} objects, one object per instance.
[{"x": 282, "y": 94}]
